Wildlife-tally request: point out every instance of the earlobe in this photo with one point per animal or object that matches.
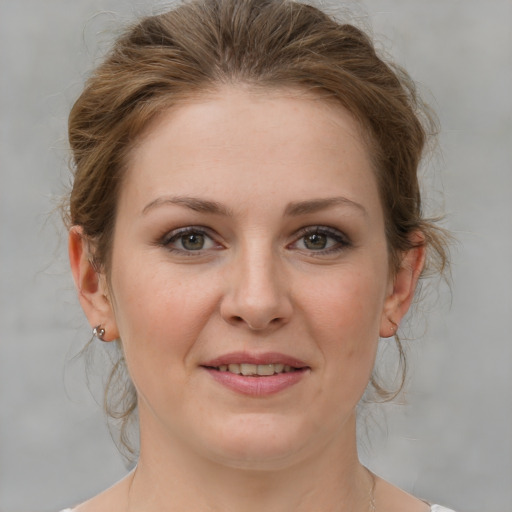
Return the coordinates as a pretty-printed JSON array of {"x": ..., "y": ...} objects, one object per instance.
[
  {"x": 403, "y": 288},
  {"x": 90, "y": 284}
]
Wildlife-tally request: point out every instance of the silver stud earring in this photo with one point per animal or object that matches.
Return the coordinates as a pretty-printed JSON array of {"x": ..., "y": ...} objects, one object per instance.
[
  {"x": 394, "y": 326},
  {"x": 99, "y": 332}
]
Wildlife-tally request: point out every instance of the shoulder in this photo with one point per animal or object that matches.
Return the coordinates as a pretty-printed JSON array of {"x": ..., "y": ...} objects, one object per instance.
[
  {"x": 393, "y": 499},
  {"x": 434, "y": 508},
  {"x": 111, "y": 500}
]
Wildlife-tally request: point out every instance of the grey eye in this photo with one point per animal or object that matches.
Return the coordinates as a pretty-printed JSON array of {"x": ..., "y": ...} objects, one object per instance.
[
  {"x": 189, "y": 240},
  {"x": 321, "y": 240},
  {"x": 315, "y": 241},
  {"x": 192, "y": 241}
]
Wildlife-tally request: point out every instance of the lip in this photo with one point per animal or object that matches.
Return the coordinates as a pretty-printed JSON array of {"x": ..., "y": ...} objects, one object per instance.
[
  {"x": 264, "y": 358},
  {"x": 257, "y": 386}
]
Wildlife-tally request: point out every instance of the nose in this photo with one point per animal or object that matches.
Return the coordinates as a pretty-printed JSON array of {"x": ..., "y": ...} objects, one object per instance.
[{"x": 257, "y": 292}]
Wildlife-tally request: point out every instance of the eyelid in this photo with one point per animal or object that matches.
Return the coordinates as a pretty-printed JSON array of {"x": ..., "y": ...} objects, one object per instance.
[
  {"x": 175, "y": 234},
  {"x": 343, "y": 241}
]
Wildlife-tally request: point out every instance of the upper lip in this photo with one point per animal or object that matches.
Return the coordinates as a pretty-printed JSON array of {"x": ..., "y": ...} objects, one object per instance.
[{"x": 264, "y": 358}]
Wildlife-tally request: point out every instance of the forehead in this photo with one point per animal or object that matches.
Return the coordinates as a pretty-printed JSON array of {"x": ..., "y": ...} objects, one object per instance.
[
  {"x": 255, "y": 141},
  {"x": 254, "y": 109}
]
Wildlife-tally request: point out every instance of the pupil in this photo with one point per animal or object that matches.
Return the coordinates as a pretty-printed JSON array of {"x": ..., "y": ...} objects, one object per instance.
[
  {"x": 315, "y": 241},
  {"x": 193, "y": 242}
]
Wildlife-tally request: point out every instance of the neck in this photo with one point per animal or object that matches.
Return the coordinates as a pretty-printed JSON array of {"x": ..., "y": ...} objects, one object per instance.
[{"x": 171, "y": 477}]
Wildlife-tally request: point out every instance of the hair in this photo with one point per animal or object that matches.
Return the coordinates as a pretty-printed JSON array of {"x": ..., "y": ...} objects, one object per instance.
[{"x": 198, "y": 47}]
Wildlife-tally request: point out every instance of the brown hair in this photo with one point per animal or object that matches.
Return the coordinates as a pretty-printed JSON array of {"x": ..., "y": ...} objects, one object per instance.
[{"x": 202, "y": 44}]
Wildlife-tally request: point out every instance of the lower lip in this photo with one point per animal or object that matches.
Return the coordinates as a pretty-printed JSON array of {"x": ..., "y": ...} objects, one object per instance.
[{"x": 257, "y": 385}]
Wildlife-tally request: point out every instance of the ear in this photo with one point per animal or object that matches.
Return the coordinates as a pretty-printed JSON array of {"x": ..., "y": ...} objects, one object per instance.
[
  {"x": 91, "y": 285},
  {"x": 403, "y": 286}
]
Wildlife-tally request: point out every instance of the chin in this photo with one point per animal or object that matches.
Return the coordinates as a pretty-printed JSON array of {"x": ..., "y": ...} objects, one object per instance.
[{"x": 261, "y": 441}]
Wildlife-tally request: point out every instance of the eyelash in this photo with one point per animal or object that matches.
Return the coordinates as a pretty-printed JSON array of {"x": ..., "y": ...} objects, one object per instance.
[
  {"x": 341, "y": 240},
  {"x": 177, "y": 234}
]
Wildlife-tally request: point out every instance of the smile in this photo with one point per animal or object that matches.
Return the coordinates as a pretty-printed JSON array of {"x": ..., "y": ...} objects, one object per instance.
[
  {"x": 260, "y": 370},
  {"x": 257, "y": 375}
]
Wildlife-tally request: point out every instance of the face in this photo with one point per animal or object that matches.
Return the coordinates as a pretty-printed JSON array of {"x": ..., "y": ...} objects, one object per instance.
[{"x": 250, "y": 276}]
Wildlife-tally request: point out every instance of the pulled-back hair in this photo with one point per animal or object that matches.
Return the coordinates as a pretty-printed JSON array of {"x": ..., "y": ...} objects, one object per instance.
[{"x": 203, "y": 44}]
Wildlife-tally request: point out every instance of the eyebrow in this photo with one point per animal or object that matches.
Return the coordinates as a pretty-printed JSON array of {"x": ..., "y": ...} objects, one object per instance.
[
  {"x": 316, "y": 205},
  {"x": 193, "y": 203},
  {"x": 293, "y": 209}
]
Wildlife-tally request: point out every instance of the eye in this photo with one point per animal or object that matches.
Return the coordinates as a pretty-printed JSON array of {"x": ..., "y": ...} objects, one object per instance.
[
  {"x": 321, "y": 240},
  {"x": 189, "y": 239},
  {"x": 316, "y": 241},
  {"x": 192, "y": 241}
]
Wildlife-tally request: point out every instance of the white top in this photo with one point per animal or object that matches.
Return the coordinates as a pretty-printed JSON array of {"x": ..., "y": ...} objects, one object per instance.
[{"x": 434, "y": 508}]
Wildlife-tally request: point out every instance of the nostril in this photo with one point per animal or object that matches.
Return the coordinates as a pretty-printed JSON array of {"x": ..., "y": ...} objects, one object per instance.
[{"x": 260, "y": 326}]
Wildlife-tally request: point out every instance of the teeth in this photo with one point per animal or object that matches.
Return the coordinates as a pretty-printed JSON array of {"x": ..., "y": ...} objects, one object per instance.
[
  {"x": 234, "y": 368},
  {"x": 248, "y": 369},
  {"x": 266, "y": 369}
]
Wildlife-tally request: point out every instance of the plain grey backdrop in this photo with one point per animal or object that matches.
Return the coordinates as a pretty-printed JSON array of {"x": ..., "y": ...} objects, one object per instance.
[{"x": 451, "y": 444}]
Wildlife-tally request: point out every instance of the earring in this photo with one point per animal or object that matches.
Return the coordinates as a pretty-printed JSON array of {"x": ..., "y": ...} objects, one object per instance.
[
  {"x": 394, "y": 326},
  {"x": 99, "y": 332}
]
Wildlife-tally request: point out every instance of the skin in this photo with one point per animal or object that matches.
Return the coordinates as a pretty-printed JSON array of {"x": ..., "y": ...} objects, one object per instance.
[{"x": 257, "y": 285}]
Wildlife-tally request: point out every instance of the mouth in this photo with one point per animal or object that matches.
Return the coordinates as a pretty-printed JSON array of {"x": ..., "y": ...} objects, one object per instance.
[
  {"x": 257, "y": 375},
  {"x": 255, "y": 370}
]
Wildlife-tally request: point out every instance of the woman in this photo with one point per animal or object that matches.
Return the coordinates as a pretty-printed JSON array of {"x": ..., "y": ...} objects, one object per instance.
[{"x": 245, "y": 223}]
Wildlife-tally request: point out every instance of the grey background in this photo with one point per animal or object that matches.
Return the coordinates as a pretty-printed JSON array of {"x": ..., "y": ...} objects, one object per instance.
[{"x": 452, "y": 444}]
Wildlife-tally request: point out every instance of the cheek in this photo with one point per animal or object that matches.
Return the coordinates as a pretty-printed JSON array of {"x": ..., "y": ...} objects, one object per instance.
[
  {"x": 159, "y": 313},
  {"x": 345, "y": 323},
  {"x": 349, "y": 306}
]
